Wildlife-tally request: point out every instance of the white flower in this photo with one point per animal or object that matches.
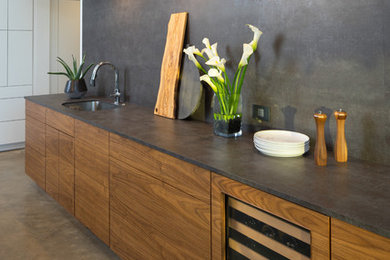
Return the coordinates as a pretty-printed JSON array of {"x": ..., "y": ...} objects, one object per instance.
[
  {"x": 211, "y": 51},
  {"x": 214, "y": 49},
  {"x": 214, "y": 73},
  {"x": 207, "y": 79},
  {"x": 256, "y": 36},
  {"x": 246, "y": 53},
  {"x": 190, "y": 51},
  {"x": 208, "y": 52},
  {"x": 206, "y": 42},
  {"x": 217, "y": 62}
]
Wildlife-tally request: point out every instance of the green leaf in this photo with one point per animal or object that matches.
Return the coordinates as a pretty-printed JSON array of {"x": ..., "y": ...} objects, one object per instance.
[
  {"x": 85, "y": 72},
  {"x": 78, "y": 74},
  {"x": 67, "y": 68},
  {"x": 74, "y": 66},
  {"x": 59, "y": 73}
]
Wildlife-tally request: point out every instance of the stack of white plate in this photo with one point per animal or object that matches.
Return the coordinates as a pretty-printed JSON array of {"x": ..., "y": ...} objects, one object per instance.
[{"x": 281, "y": 143}]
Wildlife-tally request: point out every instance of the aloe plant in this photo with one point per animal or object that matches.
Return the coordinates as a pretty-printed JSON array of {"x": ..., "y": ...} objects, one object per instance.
[{"x": 77, "y": 72}]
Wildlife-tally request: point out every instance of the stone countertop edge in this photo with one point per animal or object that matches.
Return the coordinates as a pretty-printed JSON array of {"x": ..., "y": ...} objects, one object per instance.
[{"x": 376, "y": 222}]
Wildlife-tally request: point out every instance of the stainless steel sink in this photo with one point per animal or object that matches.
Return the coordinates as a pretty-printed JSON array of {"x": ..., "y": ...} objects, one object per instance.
[{"x": 90, "y": 105}]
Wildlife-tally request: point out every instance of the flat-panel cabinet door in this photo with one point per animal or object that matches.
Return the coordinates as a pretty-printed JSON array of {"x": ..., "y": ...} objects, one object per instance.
[
  {"x": 52, "y": 149},
  {"x": 351, "y": 242},
  {"x": 153, "y": 220},
  {"x": 92, "y": 179},
  {"x": 66, "y": 172}
]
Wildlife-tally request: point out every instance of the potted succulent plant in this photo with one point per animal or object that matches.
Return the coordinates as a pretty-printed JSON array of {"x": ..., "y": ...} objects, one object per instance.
[{"x": 75, "y": 87}]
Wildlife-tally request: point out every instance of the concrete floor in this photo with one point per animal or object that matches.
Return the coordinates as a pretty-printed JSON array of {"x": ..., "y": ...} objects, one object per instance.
[{"x": 34, "y": 226}]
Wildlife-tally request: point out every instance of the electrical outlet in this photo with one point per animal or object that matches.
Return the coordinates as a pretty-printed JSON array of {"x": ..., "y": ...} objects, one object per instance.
[{"x": 261, "y": 112}]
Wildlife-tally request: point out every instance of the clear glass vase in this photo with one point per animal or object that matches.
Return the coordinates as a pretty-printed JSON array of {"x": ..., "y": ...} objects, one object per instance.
[{"x": 227, "y": 120}]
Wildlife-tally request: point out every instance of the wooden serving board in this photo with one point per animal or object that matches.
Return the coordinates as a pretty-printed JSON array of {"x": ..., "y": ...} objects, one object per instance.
[{"x": 170, "y": 68}]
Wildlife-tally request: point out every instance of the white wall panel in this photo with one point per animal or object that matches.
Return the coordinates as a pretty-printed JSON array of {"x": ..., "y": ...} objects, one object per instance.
[
  {"x": 12, "y": 109},
  {"x": 3, "y": 14},
  {"x": 20, "y": 14},
  {"x": 15, "y": 92},
  {"x": 12, "y": 132},
  {"x": 3, "y": 58},
  {"x": 20, "y": 58},
  {"x": 41, "y": 47}
]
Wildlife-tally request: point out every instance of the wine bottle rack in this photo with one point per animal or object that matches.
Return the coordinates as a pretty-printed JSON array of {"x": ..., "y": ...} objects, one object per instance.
[{"x": 255, "y": 234}]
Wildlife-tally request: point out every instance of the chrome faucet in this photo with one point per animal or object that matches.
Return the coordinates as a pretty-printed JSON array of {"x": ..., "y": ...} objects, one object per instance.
[{"x": 116, "y": 94}]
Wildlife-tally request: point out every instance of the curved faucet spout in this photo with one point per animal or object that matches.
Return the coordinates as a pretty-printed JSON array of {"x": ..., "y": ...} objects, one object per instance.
[{"x": 94, "y": 75}]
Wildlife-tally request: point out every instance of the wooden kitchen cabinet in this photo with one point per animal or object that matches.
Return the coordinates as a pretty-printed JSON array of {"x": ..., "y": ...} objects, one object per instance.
[
  {"x": 281, "y": 212},
  {"x": 351, "y": 242},
  {"x": 35, "y": 143},
  {"x": 60, "y": 169},
  {"x": 150, "y": 217},
  {"x": 92, "y": 179}
]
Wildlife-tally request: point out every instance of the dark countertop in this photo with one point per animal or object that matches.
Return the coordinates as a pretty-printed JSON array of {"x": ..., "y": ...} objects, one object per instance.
[{"x": 357, "y": 192}]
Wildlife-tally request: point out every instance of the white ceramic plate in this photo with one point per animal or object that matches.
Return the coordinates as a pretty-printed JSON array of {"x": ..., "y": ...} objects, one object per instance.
[
  {"x": 281, "y": 137},
  {"x": 283, "y": 151},
  {"x": 279, "y": 146},
  {"x": 289, "y": 153}
]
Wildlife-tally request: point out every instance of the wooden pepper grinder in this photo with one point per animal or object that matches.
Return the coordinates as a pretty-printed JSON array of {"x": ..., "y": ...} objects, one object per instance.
[
  {"x": 320, "y": 153},
  {"x": 340, "y": 147}
]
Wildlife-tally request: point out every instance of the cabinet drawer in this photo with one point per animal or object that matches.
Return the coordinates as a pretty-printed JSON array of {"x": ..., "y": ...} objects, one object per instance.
[
  {"x": 35, "y": 135},
  {"x": 95, "y": 137},
  {"x": 35, "y": 111},
  {"x": 35, "y": 166},
  {"x": 152, "y": 220},
  {"x": 60, "y": 122},
  {"x": 350, "y": 242},
  {"x": 182, "y": 175}
]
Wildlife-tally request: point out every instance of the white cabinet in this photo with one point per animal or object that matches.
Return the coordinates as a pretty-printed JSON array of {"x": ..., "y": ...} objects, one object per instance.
[
  {"x": 11, "y": 132},
  {"x": 12, "y": 109},
  {"x": 20, "y": 14},
  {"x": 3, "y": 58},
  {"x": 20, "y": 58},
  {"x": 15, "y": 92},
  {"x": 3, "y": 14}
]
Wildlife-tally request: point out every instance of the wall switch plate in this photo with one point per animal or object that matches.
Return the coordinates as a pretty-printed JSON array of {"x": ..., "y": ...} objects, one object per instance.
[{"x": 262, "y": 113}]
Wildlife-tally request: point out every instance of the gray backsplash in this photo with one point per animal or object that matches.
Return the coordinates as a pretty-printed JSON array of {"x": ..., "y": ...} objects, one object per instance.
[{"x": 321, "y": 54}]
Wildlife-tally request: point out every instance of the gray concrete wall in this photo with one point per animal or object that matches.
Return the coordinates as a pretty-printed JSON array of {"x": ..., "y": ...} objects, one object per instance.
[{"x": 321, "y": 54}]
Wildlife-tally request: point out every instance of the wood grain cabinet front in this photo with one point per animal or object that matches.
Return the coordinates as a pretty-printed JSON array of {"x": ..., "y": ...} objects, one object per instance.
[
  {"x": 60, "y": 167},
  {"x": 92, "y": 179},
  {"x": 351, "y": 242},
  {"x": 35, "y": 143},
  {"x": 153, "y": 220}
]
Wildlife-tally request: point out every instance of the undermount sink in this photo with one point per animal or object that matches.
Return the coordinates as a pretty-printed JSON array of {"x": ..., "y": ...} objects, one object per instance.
[{"x": 90, "y": 105}]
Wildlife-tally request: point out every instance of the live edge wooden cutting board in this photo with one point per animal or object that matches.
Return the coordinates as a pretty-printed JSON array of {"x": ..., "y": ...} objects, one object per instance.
[{"x": 170, "y": 68}]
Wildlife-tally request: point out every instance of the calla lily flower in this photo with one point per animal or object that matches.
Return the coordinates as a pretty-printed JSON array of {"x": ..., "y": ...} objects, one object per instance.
[
  {"x": 208, "y": 52},
  {"x": 217, "y": 62},
  {"x": 214, "y": 73},
  {"x": 256, "y": 36},
  {"x": 247, "y": 52},
  {"x": 211, "y": 51},
  {"x": 206, "y": 42},
  {"x": 214, "y": 49},
  {"x": 190, "y": 51},
  {"x": 206, "y": 78}
]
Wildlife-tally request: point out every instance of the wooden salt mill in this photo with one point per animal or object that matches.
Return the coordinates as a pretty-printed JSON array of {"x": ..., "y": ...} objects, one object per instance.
[
  {"x": 340, "y": 146},
  {"x": 320, "y": 153}
]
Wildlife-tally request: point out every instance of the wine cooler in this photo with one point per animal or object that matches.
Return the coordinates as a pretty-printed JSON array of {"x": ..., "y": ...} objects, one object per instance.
[{"x": 252, "y": 233}]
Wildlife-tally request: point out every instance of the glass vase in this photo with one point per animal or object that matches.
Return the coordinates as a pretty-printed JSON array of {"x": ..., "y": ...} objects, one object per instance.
[{"x": 227, "y": 120}]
